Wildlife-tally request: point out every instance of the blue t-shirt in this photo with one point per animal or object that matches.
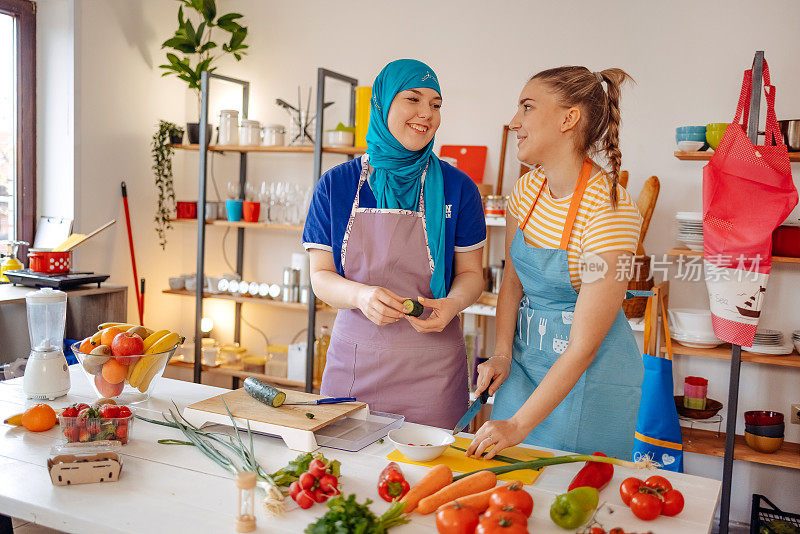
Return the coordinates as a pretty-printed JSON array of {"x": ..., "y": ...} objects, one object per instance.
[{"x": 465, "y": 228}]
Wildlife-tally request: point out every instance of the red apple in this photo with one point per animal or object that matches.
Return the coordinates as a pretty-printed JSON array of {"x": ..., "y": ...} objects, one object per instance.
[
  {"x": 107, "y": 389},
  {"x": 125, "y": 345}
]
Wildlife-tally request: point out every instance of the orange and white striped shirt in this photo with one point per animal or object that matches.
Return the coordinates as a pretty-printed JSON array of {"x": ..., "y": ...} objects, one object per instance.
[{"x": 598, "y": 227}]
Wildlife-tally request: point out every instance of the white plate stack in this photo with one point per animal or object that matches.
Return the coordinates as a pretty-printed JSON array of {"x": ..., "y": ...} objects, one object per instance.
[
  {"x": 692, "y": 327},
  {"x": 690, "y": 229},
  {"x": 796, "y": 340},
  {"x": 769, "y": 343}
]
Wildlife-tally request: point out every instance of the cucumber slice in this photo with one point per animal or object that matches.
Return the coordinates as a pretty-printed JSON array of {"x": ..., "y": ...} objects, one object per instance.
[
  {"x": 263, "y": 392},
  {"x": 412, "y": 307}
]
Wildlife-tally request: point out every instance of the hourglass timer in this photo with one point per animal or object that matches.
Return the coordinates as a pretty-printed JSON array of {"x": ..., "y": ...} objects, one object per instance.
[{"x": 245, "y": 516}]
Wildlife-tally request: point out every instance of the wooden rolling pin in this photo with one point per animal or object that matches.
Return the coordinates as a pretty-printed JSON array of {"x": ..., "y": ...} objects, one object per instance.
[{"x": 647, "y": 204}]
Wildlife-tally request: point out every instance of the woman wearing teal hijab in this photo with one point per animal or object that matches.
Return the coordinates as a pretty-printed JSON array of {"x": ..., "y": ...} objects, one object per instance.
[{"x": 395, "y": 224}]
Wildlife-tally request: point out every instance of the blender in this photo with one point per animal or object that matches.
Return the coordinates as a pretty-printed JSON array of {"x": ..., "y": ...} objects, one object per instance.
[{"x": 46, "y": 375}]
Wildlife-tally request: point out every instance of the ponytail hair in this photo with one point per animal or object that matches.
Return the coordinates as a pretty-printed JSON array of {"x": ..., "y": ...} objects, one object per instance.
[{"x": 579, "y": 87}]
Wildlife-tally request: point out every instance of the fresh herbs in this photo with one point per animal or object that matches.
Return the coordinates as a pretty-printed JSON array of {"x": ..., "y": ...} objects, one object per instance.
[
  {"x": 345, "y": 515},
  {"x": 286, "y": 475},
  {"x": 310, "y": 415},
  {"x": 213, "y": 445}
]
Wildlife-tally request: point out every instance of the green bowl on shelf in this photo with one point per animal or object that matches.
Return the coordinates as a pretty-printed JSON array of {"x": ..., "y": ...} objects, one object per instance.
[{"x": 714, "y": 133}]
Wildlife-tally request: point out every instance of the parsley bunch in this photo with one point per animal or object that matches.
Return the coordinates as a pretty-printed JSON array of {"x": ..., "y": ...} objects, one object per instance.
[{"x": 346, "y": 516}]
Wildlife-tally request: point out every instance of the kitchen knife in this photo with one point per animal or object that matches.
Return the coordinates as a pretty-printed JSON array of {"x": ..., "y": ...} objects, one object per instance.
[
  {"x": 474, "y": 408},
  {"x": 331, "y": 400}
]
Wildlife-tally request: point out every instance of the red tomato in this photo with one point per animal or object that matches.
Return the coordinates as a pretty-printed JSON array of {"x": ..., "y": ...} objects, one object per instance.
[
  {"x": 317, "y": 467},
  {"x": 629, "y": 488},
  {"x": 124, "y": 411},
  {"x": 658, "y": 482},
  {"x": 304, "y": 499},
  {"x": 294, "y": 489},
  {"x": 616, "y": 530},
  {"x": 500, "y": 525},
  {"x": 70, "y": 411},
  {"x": 456, "y": 519},
  {"x": 597, "y": 530},
  {"x": 307, "y": 481},
  {"x": 514, "y": 496},
  {"x": 673, "y": 502},
  {"x": 329, "y": 484},
  {"x": 109, "y": 411},
  {"x": 646, "y": 506},
  {"x": 508, "y": 512}
]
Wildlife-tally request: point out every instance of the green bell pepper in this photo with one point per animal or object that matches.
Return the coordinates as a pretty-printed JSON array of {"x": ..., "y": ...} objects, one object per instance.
[{"x": 572, "y": 509}]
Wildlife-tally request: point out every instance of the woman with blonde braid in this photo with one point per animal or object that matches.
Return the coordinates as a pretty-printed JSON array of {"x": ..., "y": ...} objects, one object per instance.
[{"x": 566, "y": 369}]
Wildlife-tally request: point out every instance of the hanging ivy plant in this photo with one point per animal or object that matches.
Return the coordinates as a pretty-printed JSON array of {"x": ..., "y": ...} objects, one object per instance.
[{"x": 162, "y": 168}]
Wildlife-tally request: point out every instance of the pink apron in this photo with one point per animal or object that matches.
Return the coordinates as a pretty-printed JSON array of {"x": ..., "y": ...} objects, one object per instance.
[{"x": 393, "y": 367}]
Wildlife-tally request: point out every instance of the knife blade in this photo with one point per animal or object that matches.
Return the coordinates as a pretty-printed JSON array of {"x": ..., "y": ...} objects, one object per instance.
[
  {"x": 473, "y": 410},
  {"x": 330, "y": 400}
]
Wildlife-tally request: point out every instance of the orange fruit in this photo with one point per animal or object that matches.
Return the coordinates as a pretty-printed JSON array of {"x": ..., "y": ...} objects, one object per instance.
[
  {"x": 87, "y": 346},
  {"x": 108, "y": 335},
  {"x": 114, "y": 372},
  {"x": 39, "y": 417}
]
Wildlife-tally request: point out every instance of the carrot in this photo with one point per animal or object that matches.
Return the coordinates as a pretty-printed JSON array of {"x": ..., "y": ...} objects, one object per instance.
[
  {"x": 436, "y": 479},
  {"x": 479, "y": 501},
  {"x": 478, "y": 482}
]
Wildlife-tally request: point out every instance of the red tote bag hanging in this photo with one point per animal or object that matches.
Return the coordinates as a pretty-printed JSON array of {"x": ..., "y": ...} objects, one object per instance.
[{"x": 747, "y": 193}]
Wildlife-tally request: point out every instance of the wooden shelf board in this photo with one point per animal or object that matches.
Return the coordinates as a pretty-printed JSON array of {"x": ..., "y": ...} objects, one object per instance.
[
  {"x": 708, "y": 443},
  {"x": 686, "y": 252},
  {"x": 706, "y": 155},
  {"x": 305, "y": 149},
  {"x": 244, "y": 224},
  {"x": 723, "y": 352},
  {"x": 254, "y": 300},
  {"x": 232, "y": 371}
]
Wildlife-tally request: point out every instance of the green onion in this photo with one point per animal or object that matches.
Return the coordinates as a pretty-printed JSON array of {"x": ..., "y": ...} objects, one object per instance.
[
  {"x": 498, "y": 457},
  {"x": 646, "y": 463}
]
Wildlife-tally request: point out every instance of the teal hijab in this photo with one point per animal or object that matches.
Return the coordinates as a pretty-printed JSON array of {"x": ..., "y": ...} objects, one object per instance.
[{"x": 397, "y": 177}]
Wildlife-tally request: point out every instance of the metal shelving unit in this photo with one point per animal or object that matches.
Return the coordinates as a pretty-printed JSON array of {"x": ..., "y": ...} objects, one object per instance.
[{"x": 203, "y": 148}]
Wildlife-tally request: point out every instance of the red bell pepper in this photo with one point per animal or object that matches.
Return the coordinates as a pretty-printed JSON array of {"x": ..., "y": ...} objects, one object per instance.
[
  {"x": 391, "y": 484},
  {"x": 594, "y": 475}
]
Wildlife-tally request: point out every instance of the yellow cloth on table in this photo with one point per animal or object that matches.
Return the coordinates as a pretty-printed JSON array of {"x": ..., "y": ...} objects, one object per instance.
[{"x": 458, "y": 462}]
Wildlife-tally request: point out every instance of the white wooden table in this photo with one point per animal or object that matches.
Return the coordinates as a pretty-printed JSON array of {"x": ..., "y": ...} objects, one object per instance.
[{"x": 166, "y": 488}]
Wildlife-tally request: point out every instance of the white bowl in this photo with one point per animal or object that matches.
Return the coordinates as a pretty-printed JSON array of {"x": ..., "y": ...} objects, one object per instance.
[
  {"x": 177, "y": 282},
  {"x": 339, "y": 138},
  {"x": 690, "y": 146},
  {"x": 691, "y": 321},
  {"x": 421, "y": 443}
]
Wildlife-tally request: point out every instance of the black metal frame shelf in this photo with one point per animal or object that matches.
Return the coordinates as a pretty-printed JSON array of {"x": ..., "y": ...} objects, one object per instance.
[{"x": 203, "y": 148}]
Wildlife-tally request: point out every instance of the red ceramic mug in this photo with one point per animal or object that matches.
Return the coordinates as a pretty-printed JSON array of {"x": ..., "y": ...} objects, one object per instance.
[{"x": 251, "y": 211}]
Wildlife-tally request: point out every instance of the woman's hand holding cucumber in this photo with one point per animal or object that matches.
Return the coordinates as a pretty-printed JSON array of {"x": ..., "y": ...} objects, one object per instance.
[
  {"x": 380, "y": 305},
  {"x": 443, "y": 311},
  {"x": 492, "y": 373}
]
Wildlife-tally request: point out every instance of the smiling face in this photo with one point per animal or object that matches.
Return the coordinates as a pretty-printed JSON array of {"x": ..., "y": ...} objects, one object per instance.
[
  {"x": 542, "y": 125},
  {"x": 414, "y": 117}
]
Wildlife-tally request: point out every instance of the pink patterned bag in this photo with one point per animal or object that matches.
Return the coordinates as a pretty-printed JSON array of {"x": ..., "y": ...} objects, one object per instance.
[{"x": 747, "y": 192}]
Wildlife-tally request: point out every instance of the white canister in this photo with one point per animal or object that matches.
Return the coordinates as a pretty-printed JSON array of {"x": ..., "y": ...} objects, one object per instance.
[
  {"x": 273, "y": 135},
  {"x": 228, "y": 127},
  {"x": 250, "y": 132}
]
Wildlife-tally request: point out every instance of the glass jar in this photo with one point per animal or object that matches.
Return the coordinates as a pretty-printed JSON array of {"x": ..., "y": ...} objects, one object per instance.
[
  {"x": 228, "y": 127},
  {"x": 495, "y": 206},
  {"x": 250, "y": 132},
  {"x": 273, "y": 135}
]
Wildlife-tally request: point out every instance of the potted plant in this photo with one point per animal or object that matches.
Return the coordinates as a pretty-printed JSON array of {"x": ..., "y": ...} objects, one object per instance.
[
  {"x": 197, "y": 49},
  {"x": 161, "y": 148}
]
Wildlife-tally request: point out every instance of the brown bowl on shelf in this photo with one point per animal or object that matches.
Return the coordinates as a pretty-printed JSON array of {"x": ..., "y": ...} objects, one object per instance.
[
  {"x": 711, "y": 409},
  {"x": 762, "y": 443}
]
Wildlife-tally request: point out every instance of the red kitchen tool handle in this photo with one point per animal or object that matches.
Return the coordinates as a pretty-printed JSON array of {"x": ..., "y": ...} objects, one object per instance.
[{"x": 139, "y": 302}]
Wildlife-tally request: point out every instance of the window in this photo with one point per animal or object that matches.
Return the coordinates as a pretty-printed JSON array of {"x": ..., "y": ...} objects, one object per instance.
[{"x": 17, "y": 119}]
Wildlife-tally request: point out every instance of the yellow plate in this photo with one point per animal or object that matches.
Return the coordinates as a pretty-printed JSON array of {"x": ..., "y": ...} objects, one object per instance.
[{"x": 458, "y": 462}]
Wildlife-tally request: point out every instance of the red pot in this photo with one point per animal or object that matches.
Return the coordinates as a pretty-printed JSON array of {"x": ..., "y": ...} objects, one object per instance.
[
  {"x": 48, "y": 262},
  {"x": 786, "y": 241},
  {"x": 186, "y": 210},
  {"x": 251, "y": 211}
]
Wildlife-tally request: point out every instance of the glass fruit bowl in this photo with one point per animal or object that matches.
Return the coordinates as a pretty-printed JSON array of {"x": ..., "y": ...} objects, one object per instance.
[{"x": 126, "y": 379}]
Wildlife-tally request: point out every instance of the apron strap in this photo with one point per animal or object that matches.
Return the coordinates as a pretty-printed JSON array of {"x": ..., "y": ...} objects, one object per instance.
[{"x": 572, "y": 213}]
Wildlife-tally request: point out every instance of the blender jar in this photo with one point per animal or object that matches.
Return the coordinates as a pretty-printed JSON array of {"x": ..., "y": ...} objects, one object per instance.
[{"x": 47, "y": 315}]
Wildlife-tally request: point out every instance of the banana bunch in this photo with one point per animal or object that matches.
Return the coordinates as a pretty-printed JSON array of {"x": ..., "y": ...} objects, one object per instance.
[{"x": 155, "y": 345}]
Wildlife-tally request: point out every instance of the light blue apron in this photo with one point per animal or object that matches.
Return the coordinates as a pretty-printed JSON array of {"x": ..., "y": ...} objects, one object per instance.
[{"x": 599, "y": 414}]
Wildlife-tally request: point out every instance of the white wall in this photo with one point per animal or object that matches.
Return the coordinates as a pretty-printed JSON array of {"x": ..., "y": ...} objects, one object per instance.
[{"x": 687, "y": 59}]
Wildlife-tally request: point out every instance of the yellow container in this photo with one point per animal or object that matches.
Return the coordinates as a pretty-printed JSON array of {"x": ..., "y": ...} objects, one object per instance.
[{"x": 363, "y": 97}]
